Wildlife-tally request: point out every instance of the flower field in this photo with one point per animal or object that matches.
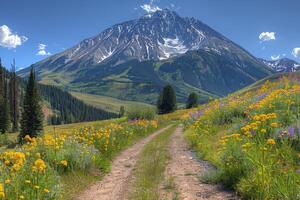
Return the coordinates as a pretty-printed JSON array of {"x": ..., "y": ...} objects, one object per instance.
[
  {"x": 253, "y": 138},
  {"x": 34, "y": 170}
]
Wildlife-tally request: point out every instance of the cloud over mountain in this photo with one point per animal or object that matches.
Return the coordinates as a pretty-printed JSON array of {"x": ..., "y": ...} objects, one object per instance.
[{"x": 9, "y": 39}]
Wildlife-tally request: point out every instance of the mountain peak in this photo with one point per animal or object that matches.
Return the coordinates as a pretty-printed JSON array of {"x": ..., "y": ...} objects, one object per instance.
[
  {"x": 163, "y": 14},
  {"x": 156, "y": 36},
  {"x": 282, "y": 65}
]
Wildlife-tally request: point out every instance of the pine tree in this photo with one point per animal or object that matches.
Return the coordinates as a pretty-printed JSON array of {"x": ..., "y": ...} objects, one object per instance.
[
  {"x": 14, "y": 97},
  {"x": 122, "y": 111},
  {"x": 167, "y": 100},
  {"x": 4, "y": 107},
  {"x": 32, "y": 116},
  {"x": 192, "y": 100}
]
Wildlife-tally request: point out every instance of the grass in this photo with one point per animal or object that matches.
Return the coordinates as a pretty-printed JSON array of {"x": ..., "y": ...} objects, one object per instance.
[
  {"x": 252, "y": 137},
  {"x": 108, "y": 103},
  {"x": 74, "y": 182},
  {"x": 67, "y": 128},
  {"x": 151, "y": 167}
]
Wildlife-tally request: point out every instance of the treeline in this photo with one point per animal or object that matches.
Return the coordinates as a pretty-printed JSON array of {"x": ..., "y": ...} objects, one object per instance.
[
  {"x": 65, "y": 108},
  {"x": 69, "y": 109},
  {"x": 10, "y": 97}
]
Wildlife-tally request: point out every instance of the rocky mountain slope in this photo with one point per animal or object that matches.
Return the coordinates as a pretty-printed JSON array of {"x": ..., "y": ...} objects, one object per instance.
[
  {"x": 135, "y": 59},
  {"x": 283, "y": 65}
]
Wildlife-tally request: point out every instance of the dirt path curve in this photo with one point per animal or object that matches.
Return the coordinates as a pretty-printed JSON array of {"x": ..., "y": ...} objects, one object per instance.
[
  {"x": 113, "y": 186},
  {"x": 185, "y": 170}
]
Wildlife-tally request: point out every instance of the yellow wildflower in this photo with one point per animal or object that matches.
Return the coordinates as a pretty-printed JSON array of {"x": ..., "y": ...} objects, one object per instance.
[
  {"x": 274, "y": 124},
  {"x": 2, "y": 194},
  {"x": 64, "y": 163},
  {"x": 271, "y": 141},
  {"x": 39, "y": 165}
]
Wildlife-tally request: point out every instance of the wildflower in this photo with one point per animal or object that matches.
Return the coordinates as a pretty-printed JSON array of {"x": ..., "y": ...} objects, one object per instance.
[
  {"x": 263, "y": 130},
  {"x": 27, "y": 138},
  {"x": 39, "y": 165},
  {"x": 46, "y": 190},
  {"x": 7, "y": 181},
  {"x": 291, "y": 131},
  {"x": 274, "y": 124},
  {"x": 36, "y": 187},
  {"x": 271, "y": 141},
  {"x": 27, "y": 181},
  {"x": 2, "y": 194},
  {"x": 22, "y": 197},
  {"x": 17, "y": 167},
  {"x": 64, "y": 163}
]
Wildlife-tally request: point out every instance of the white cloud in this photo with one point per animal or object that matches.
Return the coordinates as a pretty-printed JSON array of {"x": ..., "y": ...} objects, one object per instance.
[
  {"x": 266, "y": 36},
  {"x": 42, "y": 50},
  {"x": 296, "y": 52},
  {"x": 275, "y": 57},
  {"x": 10, "y": 40},
  {"x": 150, "y": 7}
]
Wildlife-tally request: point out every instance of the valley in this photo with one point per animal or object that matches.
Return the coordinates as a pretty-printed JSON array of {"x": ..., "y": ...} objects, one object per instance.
[{"x": 151, "y": 103}]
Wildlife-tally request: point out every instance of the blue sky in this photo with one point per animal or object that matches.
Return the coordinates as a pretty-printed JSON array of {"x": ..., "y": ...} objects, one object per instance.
[{"x": 31, "y": 30}]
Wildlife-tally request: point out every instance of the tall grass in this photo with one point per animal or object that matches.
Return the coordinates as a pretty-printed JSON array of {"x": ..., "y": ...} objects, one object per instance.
[
  {"x": 253, "y": 138},
  {"x": 140, "y": 112}
]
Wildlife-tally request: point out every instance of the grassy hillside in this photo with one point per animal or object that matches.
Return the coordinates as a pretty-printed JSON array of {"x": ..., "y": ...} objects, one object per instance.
[
  {"x": 253, "y": 138},
  {"x": 107, "y": 103},
  {"x": 207, "y": 73},
  {"x": 271, "y": 78},
  {"x": 67, "y": 158}
]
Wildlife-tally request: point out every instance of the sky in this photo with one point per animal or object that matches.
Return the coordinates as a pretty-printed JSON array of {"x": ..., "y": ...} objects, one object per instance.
[{"x": 32, "y": 30}]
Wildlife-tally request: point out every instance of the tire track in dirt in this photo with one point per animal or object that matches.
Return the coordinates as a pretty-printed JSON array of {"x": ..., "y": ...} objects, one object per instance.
[
  {"x": 114, "y": 185},
  {"x": 185, "y": 171}
]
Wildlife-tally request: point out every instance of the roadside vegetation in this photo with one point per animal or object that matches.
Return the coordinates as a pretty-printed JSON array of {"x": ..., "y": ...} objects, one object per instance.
[
  {"x": 253, "y": 139},
  {"x": 47, "y": 165},
  {"x": 32, "y": 170}
]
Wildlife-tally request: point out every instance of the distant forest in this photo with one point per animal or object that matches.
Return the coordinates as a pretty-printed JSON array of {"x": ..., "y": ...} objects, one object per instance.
[
  {"x": 69, "y": 108},
  {"x": 65, "y": 108}
]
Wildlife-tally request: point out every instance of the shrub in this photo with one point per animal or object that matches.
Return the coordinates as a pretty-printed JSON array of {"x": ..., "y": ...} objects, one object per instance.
[{"x": 141, "y": 113}]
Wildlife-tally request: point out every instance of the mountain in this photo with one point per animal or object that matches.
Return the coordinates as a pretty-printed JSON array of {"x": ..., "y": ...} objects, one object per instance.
[
  {"x": 135, "y": 59},
  {"x": 282, "y": 65}
]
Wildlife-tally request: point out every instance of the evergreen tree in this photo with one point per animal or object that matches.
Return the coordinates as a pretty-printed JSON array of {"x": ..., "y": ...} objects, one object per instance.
[
  {"x": 167, "y": 100},
  {"x": 32, "y": 116},
  {"x": 122, "y": 111},
  {"x": 4, "y": 106},
  {"x": 192, "y": 100},
  {"x": 14, "y": 97}
]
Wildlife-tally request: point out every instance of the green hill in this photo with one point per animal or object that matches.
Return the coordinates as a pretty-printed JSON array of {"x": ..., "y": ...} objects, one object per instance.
[{"x": 108, "y": 103}]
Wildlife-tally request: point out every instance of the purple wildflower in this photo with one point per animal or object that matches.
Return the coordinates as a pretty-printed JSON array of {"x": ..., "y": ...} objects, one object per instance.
[
  {"x": 291, "y": 131},
  {"x": 281, "y": 133}
]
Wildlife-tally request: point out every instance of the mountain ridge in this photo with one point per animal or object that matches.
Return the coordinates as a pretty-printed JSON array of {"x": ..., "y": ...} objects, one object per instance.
[
  {"x": 124, "y": 60},
  {"x": 282, "y": 65}
]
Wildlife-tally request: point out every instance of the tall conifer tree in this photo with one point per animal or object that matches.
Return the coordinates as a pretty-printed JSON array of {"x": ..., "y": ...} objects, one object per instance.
[
  {"x": 167, "y": 100},
  {"x": 14, "y": 96},
  {"x": 32, "y": 115},
  {"x": 4, "y": 107}
]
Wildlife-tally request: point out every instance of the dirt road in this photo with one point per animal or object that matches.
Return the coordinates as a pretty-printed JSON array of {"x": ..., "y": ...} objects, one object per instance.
[
  {"x": 113, "y": 186},
  {"x": 185, "y": 170}
]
